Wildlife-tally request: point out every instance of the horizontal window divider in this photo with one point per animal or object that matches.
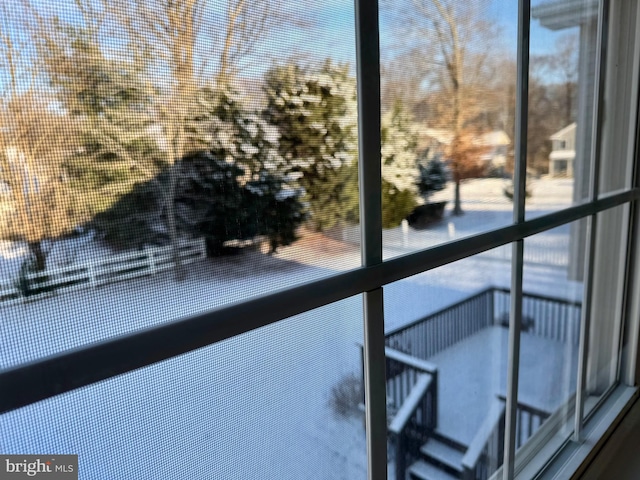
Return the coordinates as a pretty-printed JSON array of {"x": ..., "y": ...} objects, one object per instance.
[
  {"x": 82, "y": 366},
  {"x": 76, "y": 368},
  {"x": 432, "y": 257}
]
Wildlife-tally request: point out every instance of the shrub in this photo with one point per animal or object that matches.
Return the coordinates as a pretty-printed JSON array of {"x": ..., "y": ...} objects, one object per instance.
[
  {"x": 346, "y": 395},
  {"x": 396, "y": 204},
  {"x": 433, "y": 177},
  {"x": 508, "y": 192}
]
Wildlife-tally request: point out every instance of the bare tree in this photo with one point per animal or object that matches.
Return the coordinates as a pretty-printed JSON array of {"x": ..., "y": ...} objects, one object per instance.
[
  {"x": 560, "y": 67},
  {"x": 454, "y": 43},
  {"x": 34, "y": 144}
]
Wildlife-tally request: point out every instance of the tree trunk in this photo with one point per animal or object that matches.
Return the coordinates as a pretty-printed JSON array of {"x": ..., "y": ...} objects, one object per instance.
[
  {"x": 171, "y": 223},
  {"x": 457, "y": 208},
  {"x": 39, "y": 256}
]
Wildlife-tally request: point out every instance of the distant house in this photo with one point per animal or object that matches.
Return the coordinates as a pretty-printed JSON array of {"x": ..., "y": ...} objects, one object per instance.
[
  {"x": 496, "y": 141},
  {"x": 563, "y": 152}
]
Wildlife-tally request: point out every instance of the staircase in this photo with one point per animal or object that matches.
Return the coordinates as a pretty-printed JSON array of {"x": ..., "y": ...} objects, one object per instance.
[
  {"x": 422, "y": 451},
  {"x": 441, "y": 459}
]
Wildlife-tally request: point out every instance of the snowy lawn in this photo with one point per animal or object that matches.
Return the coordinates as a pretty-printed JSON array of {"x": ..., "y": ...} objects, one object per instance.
[{"x": 257, "y": 405}]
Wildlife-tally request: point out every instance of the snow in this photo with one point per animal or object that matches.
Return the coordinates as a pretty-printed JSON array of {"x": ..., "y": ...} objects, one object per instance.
[
  {"x": 473, "y": 371},
  {"x": 257, "y": 405},
  {"x": 60, "y": 254}
]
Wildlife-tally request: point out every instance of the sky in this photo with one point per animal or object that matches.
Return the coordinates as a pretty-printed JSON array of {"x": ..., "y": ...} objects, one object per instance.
[
  {"x": 335, "y": 21},
  {"x": 330, "y": 32}
]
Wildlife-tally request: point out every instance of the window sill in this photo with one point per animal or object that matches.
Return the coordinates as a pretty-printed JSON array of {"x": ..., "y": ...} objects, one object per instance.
[{"x": 561, "y": 457}]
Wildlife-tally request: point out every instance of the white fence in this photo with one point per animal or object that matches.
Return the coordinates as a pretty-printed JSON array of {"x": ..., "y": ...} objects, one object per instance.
[{"x": 101, "y": 271}]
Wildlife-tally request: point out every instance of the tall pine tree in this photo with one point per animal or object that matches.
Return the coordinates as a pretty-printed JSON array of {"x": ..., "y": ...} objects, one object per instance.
[{"x": 314, "y": 111}]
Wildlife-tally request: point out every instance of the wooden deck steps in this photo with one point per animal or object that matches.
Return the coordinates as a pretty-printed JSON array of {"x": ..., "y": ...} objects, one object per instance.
[
  {"x": 441, "y": 460},
  {"x": 443, "y": 455},
  {"x": 422, "y": 470}
]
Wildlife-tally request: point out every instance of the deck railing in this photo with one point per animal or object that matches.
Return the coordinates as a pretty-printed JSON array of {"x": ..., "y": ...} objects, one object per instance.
[
  {"x": 412, "y": 389},
  {"x": 548, "y": 317},
  {"x": 433, "y": 333},
  {"x": 484, "y": 455},
  {"x": 528, "y": 420}
]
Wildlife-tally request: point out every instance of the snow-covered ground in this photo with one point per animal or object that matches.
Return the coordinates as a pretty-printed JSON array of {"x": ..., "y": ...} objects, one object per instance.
[{"x": 255, "y": 406}]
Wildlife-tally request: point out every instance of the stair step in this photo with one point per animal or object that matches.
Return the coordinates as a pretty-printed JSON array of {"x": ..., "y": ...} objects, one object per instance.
[
  {"x": 438, "y": 435},
  {"x": 422, "y": 470},
  {"x": 440, "y": 453}
]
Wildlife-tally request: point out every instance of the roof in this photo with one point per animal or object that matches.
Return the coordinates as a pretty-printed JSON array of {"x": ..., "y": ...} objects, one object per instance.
[
  {"x": 560, "y": 14},
  {"x": 495, "y": 138},
  {"x": 562, "y": 134},
  {"x": 444, "y": 136}
]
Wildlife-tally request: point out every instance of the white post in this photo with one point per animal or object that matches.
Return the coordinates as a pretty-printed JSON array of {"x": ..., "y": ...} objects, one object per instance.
[
  {"x": 150, "y": 260},
  {"x": 452, "y": 230},
  {"x": 92, "y": 274},
  {"x": 405, "y": 232}
]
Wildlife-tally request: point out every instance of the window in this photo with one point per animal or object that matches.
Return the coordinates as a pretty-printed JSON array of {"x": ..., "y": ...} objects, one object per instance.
[{"x": 475, "y": 313}]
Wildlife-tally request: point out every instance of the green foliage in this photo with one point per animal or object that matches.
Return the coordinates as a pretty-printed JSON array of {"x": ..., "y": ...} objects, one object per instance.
[
  {"x": 399, "y": 139},
  {"x": 133, "y": 221},
  {"x": 396, "y": 204},
  {"x": 233, "y": 188},
  {"x": 433, "y": 177},
  {"x": 216, "y": 205},
  {"x": 212, "y": 201},
  {"x": 314, "y": 111},
  {"x": 280, "y": 211},
  {"x": 116, "y": 110}
]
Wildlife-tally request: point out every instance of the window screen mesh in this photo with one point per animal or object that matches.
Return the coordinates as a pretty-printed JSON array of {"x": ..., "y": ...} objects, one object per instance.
[
  {"x": 280, "y": 402},
  {"x": 157, "y": 160},
  {"x": 160, "y": 159}
]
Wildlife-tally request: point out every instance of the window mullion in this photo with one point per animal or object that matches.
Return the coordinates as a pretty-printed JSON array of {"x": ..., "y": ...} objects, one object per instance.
[
  {"x": 519, "y": 193},
  {"x": 592, "y": 225},
  {"x": 592, "y": 221},
  {"x": 369, "y": 169}
]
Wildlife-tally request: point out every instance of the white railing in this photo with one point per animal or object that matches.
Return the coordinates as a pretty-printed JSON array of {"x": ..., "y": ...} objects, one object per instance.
[{"x": 101, "y": 271}]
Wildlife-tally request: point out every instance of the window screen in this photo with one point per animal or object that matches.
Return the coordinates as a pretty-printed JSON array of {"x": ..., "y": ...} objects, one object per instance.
[
  {"x": 184, "y": 186},
  {"x": 160, "y": 159}
]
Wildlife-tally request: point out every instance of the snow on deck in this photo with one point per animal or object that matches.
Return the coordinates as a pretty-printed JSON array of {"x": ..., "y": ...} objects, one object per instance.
[{"x": 472, "y": 372}]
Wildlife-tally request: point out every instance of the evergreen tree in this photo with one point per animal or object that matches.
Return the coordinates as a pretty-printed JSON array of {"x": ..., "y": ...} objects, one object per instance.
[
  {"x": 121, "y": 153},
  {"x": 433, "y": 177},
  {"x": 399, "y": 138},
  {"x": 231, "y": 190},
  {"x": 314, "y": 111}
]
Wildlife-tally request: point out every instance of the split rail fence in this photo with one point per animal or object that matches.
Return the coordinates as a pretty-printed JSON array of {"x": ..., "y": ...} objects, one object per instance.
[{"x": 96, "y": 272}]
